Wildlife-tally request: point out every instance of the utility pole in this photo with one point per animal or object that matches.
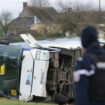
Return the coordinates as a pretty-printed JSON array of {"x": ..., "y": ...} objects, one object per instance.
[
  {"x": 99, "y": 5},
  {"x": 100, "y": 18}
]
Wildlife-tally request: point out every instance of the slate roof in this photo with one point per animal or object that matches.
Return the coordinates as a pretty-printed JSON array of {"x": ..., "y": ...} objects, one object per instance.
[
  {"x": 44, "y": 14},
  {"x": 22, "y": 22}
]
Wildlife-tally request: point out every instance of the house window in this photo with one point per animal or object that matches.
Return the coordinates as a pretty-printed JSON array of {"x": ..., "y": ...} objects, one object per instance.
[{"x": 36, "y": 20}]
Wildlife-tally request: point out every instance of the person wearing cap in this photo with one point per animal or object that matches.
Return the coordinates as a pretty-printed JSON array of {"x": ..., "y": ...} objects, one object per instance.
[{"x": 85, "y": 68}]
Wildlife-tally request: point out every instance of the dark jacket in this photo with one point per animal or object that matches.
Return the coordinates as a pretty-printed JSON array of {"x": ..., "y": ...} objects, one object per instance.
[{"x": 85, "y": 68}]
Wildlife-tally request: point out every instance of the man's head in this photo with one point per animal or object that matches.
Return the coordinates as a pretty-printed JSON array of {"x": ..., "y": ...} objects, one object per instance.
[{"x": 89, "y": 35}]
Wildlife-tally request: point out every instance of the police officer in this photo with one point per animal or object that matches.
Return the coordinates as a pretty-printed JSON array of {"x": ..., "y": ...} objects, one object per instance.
[{"x": 85, "y": 68}]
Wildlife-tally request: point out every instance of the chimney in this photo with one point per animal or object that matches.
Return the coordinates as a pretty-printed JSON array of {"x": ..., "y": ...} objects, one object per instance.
[{"x": 24, "y": 5}]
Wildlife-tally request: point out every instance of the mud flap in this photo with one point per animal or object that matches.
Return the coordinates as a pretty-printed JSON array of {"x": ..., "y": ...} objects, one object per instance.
[{"x": 61, "y": 99}]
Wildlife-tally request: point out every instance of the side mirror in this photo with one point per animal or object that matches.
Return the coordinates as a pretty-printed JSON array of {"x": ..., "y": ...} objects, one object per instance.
[{"x": 4, "y": 42}]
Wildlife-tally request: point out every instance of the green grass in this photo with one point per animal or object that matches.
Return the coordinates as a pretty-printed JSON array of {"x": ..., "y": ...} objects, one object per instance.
[{"x": 5, "y": 101}]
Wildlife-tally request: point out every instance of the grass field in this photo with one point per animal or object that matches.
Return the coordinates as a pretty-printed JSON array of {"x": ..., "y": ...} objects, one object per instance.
[{"x": 5, "y": 101}]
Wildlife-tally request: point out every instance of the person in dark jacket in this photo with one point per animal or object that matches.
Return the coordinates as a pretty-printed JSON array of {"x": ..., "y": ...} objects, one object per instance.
[{"x": 84, "y": 68}]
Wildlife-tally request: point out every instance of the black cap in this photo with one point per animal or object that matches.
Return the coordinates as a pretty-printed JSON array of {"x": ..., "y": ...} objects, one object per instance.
[{"x": 89, "y": 35}]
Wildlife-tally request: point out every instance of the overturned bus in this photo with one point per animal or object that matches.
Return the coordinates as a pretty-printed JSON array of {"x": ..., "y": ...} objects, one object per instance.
[{"x": 39, "y": 73}]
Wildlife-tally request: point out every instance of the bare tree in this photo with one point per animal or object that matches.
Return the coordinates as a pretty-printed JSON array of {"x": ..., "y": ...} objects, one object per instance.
[
  {"x": 74, "y": 17},
  {"x": 71, "y": 19},
  {"x": 40, "y": 3},
  {"x": 63, "y": 5},
  {"x": 5, "y": 18}
]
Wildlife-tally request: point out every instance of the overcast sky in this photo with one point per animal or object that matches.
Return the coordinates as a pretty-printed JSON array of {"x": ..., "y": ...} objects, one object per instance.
[{"x": 16, "y": 6}]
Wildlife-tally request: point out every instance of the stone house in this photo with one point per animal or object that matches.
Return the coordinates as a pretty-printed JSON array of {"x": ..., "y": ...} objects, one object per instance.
[{"x": 40, "y": 19}]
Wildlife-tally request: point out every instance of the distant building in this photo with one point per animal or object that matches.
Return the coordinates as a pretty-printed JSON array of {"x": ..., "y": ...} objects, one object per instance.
[
  {"x": 101, "y": 35},
  {"x": 42, "y": 19},
  {"x": 40, "y": 14}
]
